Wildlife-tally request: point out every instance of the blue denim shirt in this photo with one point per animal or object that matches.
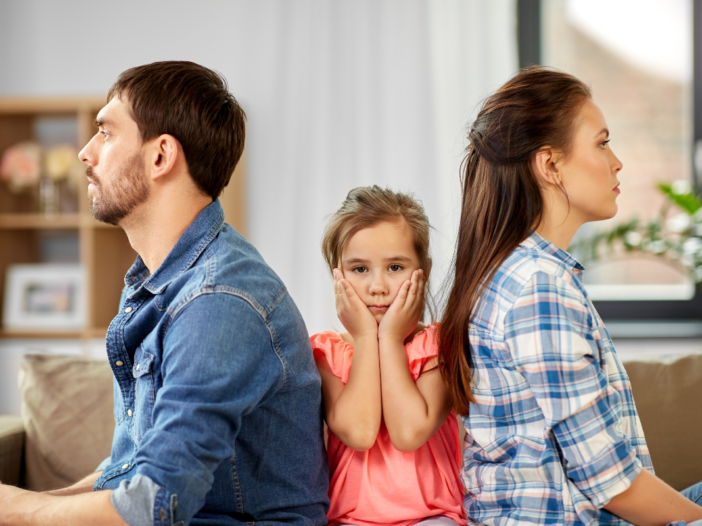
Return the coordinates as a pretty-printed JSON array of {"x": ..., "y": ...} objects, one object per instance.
[{"x": 217, "y": 397}]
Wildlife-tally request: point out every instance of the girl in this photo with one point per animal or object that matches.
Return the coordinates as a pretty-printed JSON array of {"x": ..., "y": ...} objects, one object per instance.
[
  {"x": 393, "y": 440},
  {"x": 553, "y": 433}
]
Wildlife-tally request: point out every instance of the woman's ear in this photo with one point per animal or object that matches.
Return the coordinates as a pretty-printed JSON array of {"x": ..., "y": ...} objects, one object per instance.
[{"x": 545, "y": 166}]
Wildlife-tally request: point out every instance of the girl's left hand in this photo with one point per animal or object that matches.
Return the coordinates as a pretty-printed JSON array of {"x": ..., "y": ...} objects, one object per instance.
[{"x": 404, "y": 313}]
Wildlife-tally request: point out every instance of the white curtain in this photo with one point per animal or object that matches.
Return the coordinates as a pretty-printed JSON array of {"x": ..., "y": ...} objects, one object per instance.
[{"x": 366, "y": 92}]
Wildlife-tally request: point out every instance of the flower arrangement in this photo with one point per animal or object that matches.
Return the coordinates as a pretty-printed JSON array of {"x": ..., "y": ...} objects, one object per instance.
[
  {"x": 58, "y": 162},
  {"x": 676, "y": 238},
  {"x": 26, "y": 165},
  {"x": 21, "y": 166}
]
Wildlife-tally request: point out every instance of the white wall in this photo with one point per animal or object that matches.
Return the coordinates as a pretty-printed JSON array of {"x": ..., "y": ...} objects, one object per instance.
[{"x": 338, "y": 94}]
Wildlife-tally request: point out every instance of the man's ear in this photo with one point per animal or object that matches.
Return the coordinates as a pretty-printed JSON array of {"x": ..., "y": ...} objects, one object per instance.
[
  {"x": 545, "y": 166},
  {"x": 165, "y": 153}
]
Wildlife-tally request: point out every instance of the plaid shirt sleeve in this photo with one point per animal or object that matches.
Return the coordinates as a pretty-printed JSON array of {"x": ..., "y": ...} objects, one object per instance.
[{"x": 549, "y": 331}]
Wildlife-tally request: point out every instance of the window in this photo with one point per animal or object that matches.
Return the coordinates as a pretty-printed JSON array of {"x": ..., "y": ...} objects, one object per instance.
[{"x": 637, "y": 57}]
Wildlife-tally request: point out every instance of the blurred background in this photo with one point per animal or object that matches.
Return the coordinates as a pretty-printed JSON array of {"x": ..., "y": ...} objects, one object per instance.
[{"x": 341, "y": 94}]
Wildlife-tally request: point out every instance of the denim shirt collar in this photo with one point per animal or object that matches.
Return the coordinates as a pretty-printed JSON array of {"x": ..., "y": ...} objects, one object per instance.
[
  {"x": 536, "y": 241},
  {"x": 186, "y": 251}
]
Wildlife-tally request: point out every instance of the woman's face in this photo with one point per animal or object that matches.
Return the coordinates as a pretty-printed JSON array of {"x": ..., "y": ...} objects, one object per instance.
[
  {"x": 589, "y": 173},
  {"x": 377, "y": 260}
]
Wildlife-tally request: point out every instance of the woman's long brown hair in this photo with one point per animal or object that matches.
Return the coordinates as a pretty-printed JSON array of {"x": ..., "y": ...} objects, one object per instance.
[{"x": 502, "y": 200}]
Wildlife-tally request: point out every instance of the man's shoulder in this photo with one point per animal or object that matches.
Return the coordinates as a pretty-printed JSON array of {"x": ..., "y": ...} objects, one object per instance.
[{"x": 231, "y": 265}]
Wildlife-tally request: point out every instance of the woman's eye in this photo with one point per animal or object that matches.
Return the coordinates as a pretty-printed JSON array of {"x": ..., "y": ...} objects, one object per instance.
[
  {"x": 395, "y": 268},
  {"x": 603, "y": 144},
  {"x": 359, "y": 270}
]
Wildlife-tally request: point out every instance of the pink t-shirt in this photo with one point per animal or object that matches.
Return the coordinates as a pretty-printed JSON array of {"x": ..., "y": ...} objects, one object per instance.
[{"x": 384, "y": 485}]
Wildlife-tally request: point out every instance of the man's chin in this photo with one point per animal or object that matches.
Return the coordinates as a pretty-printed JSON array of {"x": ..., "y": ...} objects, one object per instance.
[{"x": 103, "y": 217}]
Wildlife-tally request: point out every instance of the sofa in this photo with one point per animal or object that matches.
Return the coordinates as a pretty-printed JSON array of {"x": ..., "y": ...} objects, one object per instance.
[
  {"x": 66, "y": 426},
  {"x": 67, "y": 421}
]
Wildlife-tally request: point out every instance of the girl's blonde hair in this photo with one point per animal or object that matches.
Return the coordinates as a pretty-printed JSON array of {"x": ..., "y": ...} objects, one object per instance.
[{"x": 367, "y": 206}]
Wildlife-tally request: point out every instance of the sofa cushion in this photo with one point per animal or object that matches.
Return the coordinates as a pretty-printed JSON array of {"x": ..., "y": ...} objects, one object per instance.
[
  {"x": 668, "y": 398},
  {"x": 68, "y": 417},
  {"x": 11, "y": 449}
]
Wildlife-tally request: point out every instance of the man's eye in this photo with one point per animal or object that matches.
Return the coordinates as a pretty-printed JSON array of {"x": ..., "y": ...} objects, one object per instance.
[{"x": 395, "y": 268}]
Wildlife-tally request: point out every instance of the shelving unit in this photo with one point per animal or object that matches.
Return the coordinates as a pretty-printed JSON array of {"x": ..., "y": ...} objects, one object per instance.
[{"x": 105, "y": 252}]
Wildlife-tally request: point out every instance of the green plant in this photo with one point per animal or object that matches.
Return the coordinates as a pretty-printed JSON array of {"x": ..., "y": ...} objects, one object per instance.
[{"x": 678, "y": 238}]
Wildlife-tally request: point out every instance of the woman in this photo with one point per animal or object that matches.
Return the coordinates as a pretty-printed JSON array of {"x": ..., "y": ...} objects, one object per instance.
[{"x": 553, "y": 434}]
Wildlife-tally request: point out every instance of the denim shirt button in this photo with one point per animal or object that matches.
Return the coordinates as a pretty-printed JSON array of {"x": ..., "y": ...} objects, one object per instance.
[
  {"x": 119, "y": 363},
  {"x": 128, "y": 310},
  {"x": 138, "y": 366},
  {"x": 129, "y": 412},
  {"x": 125, "y": 466}
]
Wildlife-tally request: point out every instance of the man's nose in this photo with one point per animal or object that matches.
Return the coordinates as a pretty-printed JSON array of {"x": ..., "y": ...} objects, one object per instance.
[{"x": 87, "y": 154}]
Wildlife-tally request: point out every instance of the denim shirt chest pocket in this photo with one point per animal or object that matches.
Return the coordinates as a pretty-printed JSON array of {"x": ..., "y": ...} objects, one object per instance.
[{"x": 143, "y": 371}]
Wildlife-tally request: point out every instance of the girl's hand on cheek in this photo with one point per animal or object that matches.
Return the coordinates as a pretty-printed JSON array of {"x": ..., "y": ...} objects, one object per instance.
[
  {"x": 404, "y": 313},
  {"x": 352, "y": 312}
]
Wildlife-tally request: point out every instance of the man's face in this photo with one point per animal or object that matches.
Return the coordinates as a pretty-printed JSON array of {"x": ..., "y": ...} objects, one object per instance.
[{"x": 115, "y": 159}]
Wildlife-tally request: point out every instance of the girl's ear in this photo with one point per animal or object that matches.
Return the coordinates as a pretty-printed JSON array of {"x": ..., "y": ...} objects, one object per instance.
[
  {"x": 545, "y": 166},
  {"x": 427, "y": 270}
]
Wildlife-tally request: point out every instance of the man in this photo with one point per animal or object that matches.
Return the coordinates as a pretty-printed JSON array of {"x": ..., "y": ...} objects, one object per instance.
[{"x": 217, "y": 397}]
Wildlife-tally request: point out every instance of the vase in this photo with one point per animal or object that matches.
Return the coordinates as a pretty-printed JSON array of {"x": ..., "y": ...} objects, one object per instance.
[{"x": 48, "y": 197}]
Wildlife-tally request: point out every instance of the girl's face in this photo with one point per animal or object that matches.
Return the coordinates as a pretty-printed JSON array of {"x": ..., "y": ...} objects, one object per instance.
[
  {"x": 589, "y": 173},
  {"x": 377, "y": 260}
]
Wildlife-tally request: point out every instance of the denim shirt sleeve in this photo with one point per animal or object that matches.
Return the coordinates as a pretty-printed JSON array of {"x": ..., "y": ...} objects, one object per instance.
[{"x": 219, "y": 362}]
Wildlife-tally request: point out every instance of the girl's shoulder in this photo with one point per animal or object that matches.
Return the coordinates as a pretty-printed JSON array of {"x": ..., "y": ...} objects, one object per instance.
[
  {"x": 330, "y": 340},
  {"x": 337, "y": 352},
  {"x": 425, "y": 343}
]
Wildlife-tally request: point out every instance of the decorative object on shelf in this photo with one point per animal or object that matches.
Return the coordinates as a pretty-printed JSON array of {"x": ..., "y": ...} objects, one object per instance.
[
  {"x": 58, "y": 163},
  {"x": 677, "y": 239},
  {"x": 44, "y": 297},
  {"x": 21, "y": 166}
]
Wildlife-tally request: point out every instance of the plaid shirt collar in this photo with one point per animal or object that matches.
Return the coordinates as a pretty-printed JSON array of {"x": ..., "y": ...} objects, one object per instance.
[{"x": 541, "y": 243}]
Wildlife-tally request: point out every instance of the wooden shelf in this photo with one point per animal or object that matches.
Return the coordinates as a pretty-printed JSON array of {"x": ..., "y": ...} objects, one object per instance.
[
  {"x": 56, "y": 221},
  {"x": 27, "y": 221},
  {"x": 41, "y": 335},
  {"x": 36, "y": 105},
  {"x": 105, "y": 252}
]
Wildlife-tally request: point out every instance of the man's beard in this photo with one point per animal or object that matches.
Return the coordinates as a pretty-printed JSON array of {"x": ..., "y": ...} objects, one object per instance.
[{"x": 110, "y": 204}]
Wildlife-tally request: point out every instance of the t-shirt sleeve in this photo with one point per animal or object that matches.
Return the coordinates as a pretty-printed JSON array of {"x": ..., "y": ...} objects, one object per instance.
[
  {"x": 423, "y": 348},
  {"x": 549, "y": 333},
  {"x": 330, "y": 346}
]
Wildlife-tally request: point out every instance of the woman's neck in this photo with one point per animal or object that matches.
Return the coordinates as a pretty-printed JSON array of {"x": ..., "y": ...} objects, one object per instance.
[{"x": 559, "y": 225}]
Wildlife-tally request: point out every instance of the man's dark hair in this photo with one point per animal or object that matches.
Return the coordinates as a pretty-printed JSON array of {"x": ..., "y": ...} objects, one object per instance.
[{"x": 193, "y": 104}]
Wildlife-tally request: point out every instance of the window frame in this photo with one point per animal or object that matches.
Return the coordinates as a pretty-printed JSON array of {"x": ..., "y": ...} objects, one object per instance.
[{"x": 636, "y": 318}]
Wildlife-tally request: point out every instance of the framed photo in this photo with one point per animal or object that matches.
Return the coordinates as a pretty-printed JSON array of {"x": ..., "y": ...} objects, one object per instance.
[{"x": 44, "y": 297}]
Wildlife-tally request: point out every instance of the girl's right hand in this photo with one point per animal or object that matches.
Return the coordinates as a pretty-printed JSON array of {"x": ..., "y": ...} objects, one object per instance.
[{"x": 352, "y": 312}]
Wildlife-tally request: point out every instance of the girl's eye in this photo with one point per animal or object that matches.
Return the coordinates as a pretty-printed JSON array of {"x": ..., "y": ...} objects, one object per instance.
[
  {"x": 359, "y": 270},
  {"x": 395, "y": 268},
  {"x": 603, "y": 144}
]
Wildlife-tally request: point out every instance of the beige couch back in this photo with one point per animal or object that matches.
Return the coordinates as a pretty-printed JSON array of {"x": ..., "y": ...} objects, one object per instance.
[
  {"x": 669, "y": 401},
  {"x": 68, "y": 417}
]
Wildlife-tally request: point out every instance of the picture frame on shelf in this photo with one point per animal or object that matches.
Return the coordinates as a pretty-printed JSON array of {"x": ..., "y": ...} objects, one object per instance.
[{"x": 45, "y": 297}]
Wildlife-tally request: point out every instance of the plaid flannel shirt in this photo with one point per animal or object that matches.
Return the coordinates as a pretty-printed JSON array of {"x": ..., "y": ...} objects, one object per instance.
[{"x": 554, "y": 434}]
